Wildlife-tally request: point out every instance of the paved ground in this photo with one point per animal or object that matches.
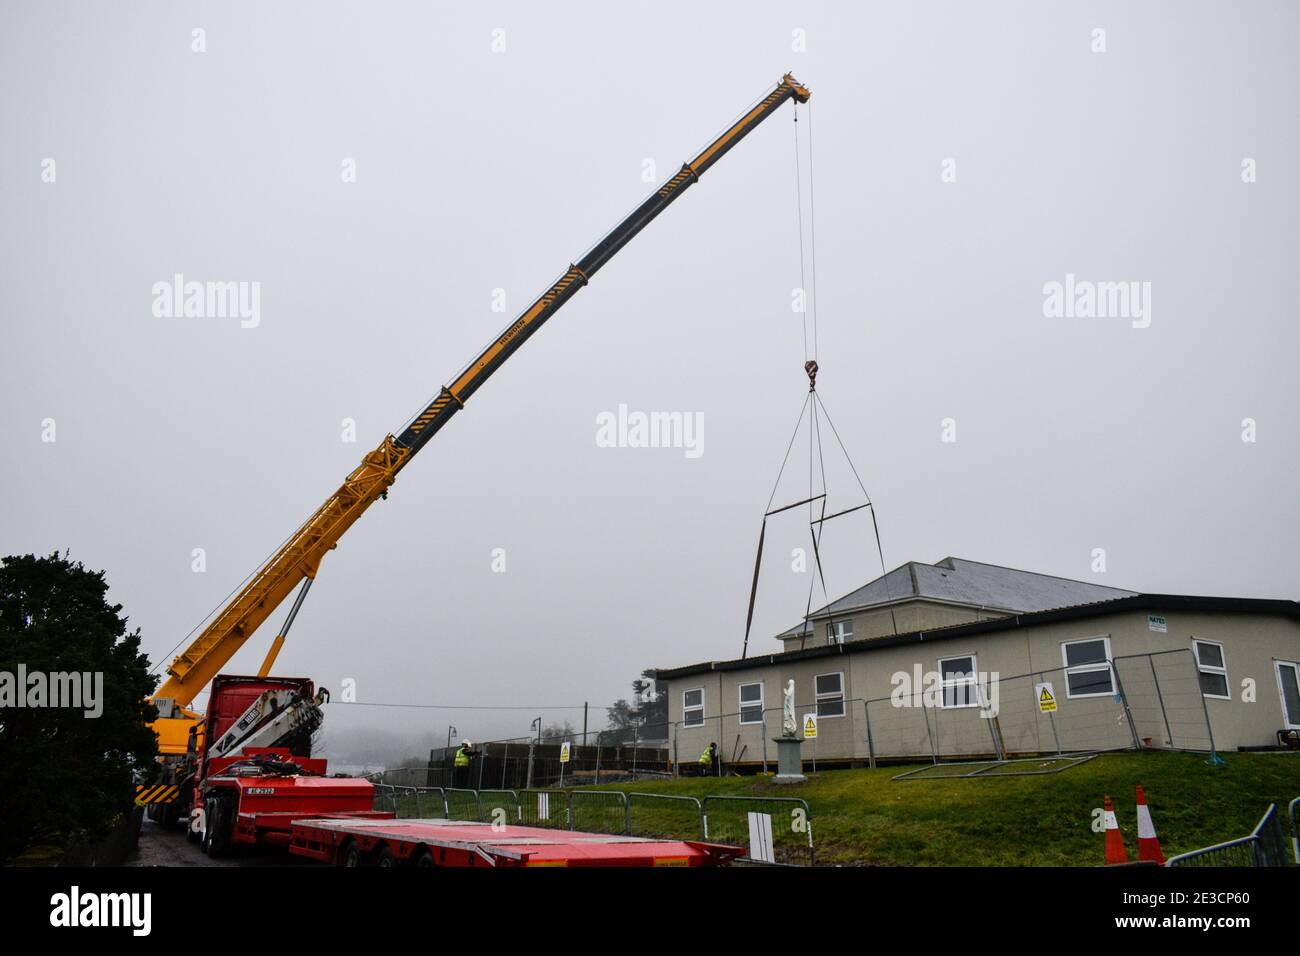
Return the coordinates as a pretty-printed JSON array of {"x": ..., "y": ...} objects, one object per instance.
[{"x": 159, "y": 847}]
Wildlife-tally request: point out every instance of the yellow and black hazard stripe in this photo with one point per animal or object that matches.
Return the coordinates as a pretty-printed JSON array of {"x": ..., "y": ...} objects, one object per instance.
[{"x": 156, "y": 793}]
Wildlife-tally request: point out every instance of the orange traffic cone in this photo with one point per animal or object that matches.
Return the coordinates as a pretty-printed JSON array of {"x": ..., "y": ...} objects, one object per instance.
[
  {"x": 1115, "y": 851},
  {"x": 1148, "y": 844}
]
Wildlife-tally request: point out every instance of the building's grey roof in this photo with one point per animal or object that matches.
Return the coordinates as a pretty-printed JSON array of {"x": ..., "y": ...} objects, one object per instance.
[{"x": 968, "y": 583}]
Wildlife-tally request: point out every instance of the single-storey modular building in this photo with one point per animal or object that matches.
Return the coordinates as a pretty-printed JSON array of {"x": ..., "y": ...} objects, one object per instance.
[{"x": 964, "y": 659}]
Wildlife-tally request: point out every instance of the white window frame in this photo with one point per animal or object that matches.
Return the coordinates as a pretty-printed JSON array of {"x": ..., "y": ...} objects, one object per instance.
[
  {"x": 835, "y": 633},
  {"x": 743, "y": 705},
  {"x": 687, "y": 710},
  {"x": 1211, "y": 669},
  {"x": 838, "y": 696},
  {"x": 972, "y": 679},
  {"x": 1277, "y": 672},
  {"x": 1107, "y": 665}
]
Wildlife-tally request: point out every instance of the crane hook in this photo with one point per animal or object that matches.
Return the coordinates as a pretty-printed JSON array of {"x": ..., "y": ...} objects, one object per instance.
[{"x": 811, "y": 368}]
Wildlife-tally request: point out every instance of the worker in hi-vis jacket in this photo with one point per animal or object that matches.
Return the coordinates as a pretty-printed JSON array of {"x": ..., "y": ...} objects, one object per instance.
[
  {"x": 708, "y": 760},
  {"x": 460, "y": 775}
]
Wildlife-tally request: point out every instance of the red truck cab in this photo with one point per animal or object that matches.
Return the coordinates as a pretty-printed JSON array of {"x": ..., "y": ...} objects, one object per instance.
[{"x": 250, "y": 795}]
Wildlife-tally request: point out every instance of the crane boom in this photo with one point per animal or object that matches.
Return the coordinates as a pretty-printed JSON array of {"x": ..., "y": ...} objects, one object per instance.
[{"x": 300, "y": 556}]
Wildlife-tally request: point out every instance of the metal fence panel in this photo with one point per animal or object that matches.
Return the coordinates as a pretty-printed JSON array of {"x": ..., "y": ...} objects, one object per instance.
[
  {"x": 498, "y": 806},
  {"x": 1293, "y": 814},
  {"x": 598, "y": 811},
  {"x": 1266, "y": 846},
  {"x": 1164, "y": 697},
  {"x": 461, "y": 804},
  {"x": 728, "y": 820},
  {"x": 430, "y": 802},
  {"x": 664, "y": 816},
  {"x": 544, "y": 808}
]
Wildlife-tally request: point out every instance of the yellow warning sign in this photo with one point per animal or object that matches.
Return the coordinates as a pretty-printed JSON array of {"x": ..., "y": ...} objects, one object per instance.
[
  {"x": 810, "y": 727},
  {"x": 1046, "y": 699},
  {"x": 564, "y": 752}
]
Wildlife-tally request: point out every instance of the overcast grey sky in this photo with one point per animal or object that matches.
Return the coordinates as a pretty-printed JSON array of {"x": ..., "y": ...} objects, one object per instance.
[{"x": 478, "y": 170}]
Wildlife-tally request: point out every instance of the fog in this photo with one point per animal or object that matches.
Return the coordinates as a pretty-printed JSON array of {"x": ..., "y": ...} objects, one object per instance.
[{"x": 386, "y": 173}]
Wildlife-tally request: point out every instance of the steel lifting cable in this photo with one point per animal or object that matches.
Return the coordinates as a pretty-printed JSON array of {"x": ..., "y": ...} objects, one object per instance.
[
  {"x": 812, "y": 229},
  {"x": 816, "y": 526},
  {"x": 815, "y": 408},
  {"x": 798, "y": 196},
  {"x": 768, "y": 512},
  {"x": 875, "y": 525}
]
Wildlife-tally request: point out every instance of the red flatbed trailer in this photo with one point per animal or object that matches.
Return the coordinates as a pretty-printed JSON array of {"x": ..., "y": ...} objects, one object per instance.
[{"x": 457, "y": 843}]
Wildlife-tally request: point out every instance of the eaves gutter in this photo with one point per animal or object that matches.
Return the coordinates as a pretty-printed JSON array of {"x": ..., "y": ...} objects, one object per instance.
[{"x": 1137, "y": 602}]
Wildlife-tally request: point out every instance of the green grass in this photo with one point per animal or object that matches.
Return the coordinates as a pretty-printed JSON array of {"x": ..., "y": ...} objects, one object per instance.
[{"x": 862, "y": 817}]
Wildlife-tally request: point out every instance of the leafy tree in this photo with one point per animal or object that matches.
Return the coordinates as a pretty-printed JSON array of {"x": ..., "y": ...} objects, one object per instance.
[
  {"x": 64, "y": 774},
  {"x": 554, "y": 733},
  {"x": 646, "y": 717}
]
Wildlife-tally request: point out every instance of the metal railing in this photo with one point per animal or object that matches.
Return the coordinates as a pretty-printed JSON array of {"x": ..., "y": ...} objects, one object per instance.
[
  {"x": 775, "y": 830},
  {"x": 1293, "y": 813},
  {"x": 544, "y": 808},
  {"x": 664, "y": 816},
  {"x": 1265, "y": 846}
]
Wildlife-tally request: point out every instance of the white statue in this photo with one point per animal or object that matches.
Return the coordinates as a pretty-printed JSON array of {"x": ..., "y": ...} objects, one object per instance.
[{"x": 788, "y": 726}]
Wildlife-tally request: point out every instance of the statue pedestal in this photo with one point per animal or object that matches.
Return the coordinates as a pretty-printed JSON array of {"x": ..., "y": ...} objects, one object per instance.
[{"x": 789, "y": 765}]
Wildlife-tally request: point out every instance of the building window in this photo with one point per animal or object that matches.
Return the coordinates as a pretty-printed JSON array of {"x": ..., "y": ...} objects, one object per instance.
[
  {"x": 1288, "y": 685},
  {"x": 957, "y": 677},
  {"x": 693, "y": 708},
  {"x": 751, "y": 703},
  {"x": 830, "y": 694},
  {"x": 838, "y": 632},
  {"x": 1087, "y": 668},
  {"x": 1213, "y": 668}
]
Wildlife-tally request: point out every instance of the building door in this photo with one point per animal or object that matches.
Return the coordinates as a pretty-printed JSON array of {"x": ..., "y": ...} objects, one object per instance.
[{"x": 1288, "y": 683}]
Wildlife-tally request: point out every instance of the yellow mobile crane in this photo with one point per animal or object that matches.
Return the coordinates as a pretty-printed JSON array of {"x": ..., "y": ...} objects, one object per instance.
[{"x": 295, "y": 564}]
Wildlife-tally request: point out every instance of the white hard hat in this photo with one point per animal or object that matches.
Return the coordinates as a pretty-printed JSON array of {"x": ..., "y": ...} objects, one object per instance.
[{"x": 465, "y": 743}]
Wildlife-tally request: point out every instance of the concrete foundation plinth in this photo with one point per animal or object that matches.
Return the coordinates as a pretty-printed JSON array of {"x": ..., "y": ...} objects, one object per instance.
[{"x": 789, "y": 765}]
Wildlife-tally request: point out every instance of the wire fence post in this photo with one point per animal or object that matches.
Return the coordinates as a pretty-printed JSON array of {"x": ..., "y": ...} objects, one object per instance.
[
  {"x": 1123, "y": 697},
  {"x": 1160, "y": 699},
  {"x": 763, "y": 730},
  {"x": 1051, "y": 719},
  {"x": 1196, "y": 674},
  {"x": 1291, "y": 812},
  {"x": 677, "y": 764},
  {"x": 716, "y": 766},
  {"x": 871, "y": 743},
  {"x": 934, "y": 754},
  {"x": 990, "y": 721}
]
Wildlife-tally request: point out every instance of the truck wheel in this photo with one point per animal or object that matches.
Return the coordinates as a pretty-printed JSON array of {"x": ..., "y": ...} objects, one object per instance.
[
  {"x": 205, "y": 834},
  {"x": 216, "y": 837},
  {"x": 351, "y": 855},
  {"x": 385, "y": 858},
  {"x": 425, "y": 859}
]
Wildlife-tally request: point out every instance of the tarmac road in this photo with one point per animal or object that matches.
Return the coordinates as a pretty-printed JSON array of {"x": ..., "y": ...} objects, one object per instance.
[{"x": 168, "y": 847}]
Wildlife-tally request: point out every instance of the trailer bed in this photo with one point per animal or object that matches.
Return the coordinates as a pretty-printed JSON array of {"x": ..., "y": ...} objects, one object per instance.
[{"x": 460, "y": 843}]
